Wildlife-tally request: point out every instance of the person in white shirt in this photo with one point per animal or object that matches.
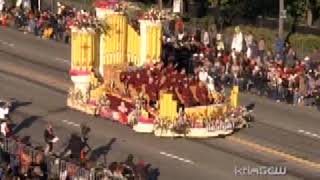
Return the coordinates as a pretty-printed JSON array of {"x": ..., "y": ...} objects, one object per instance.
[
  {"x": 2, "y": 5},
  {"x": 26, "y": 4},
  {"x": 210, "y": 85},
  {"x": 203, "y": 75},
  {"x": 3, "y": 112},
  {"x": 4, "y": 128},
  {"x": 237, "y": 41},
  {"x": 206, "y": 39}
]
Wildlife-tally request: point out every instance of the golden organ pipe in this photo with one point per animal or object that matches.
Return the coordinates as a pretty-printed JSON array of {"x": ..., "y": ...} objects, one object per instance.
[
  {"x": 149, "y": 34},
  {"x": 153, "y": 42},
  {"x": 91, "y": 52},
  {"x": 85, "y": 49},
  {"x": 159, "y": 43},
  {"x": 73, "y": 49},
  {"x": 119, "y": 33},
  {"x": 110, "y": 34},
  {"x": 114, "y": 40},
  {"x": 80, "y": 48},
  {"x": 156, "y": 43},
  {"x": 129, "y": 45},
  {"x": 118, "y": 40},
  {"x": 125, "y": 39},
  {"x": 148, "y": 42},
  {"x": 76, "y": 49}
]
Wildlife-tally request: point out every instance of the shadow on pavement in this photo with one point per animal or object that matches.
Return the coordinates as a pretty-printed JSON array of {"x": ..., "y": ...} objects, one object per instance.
[
  {"x": 102, "y": 150},
  {"x": 73, "y": 148},
  {"x": 16, "y": 104},
  {"x": 26, "y": 123},
  {"x": 26, "y": 140},
  {"x": 58, "y": 110}
]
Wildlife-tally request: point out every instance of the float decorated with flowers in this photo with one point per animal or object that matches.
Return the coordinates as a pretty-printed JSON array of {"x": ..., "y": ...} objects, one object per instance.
[{"x": 118, "y": 75}]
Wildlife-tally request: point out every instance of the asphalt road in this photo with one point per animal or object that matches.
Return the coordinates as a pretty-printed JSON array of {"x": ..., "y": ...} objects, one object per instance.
[{"x": 278, "y": 126}]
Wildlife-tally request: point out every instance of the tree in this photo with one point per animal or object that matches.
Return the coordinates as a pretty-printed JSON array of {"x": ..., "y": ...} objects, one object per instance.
[{"x": 313, "y": 7}]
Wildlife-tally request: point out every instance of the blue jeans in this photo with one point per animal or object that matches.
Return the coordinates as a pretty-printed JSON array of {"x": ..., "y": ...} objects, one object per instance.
[
  {"x": 280, "y": 93},
  {"x": 295, "y": 97}
]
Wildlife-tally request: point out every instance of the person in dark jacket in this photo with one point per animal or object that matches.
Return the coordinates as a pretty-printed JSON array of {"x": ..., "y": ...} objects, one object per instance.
[{"x": 49, "y": 138}]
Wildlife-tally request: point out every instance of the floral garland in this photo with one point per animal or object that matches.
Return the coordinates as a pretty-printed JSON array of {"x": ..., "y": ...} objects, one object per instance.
[
  {"x": 153, "y": 15},
  {"x": 229, "y": 120}
]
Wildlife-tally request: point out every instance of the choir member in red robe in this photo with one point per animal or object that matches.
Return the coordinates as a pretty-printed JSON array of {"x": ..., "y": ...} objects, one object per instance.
[
  {"x": 152, "y": 90},
  {"x": 123, "y": 112},
  {"x": 136, "y": 82},
  {"x": 168, "y": 70},
  {"x": 202, "y": 94},
  {"x": 185, "y": 94},
  {"x": 181, "y": 75}
]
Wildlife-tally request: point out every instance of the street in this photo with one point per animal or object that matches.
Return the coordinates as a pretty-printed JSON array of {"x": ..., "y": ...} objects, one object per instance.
[{"x": 35, "y": 72}]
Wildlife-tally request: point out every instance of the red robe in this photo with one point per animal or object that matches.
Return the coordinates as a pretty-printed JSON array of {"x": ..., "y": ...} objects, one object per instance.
[
  {"x": 186, "y": 95},
  {"x": 152, "y": 91},
  {"x": 202, "y": 95}
]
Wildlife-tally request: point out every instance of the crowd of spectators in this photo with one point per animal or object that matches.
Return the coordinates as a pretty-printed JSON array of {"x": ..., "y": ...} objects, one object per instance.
[
  {"x": 46, "y": 24},
  {"x": 282, "y": 76},
  {"x": 19, "y": 159}
]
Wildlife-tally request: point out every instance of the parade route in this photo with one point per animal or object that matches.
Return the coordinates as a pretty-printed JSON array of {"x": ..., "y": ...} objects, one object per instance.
[{"x": 277, "y": 127}]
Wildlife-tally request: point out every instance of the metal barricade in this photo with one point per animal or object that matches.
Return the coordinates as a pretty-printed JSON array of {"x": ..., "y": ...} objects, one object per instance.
[
  {"x": 53, "y": 165},
  {"x": 12, "y": 146},
  {"x": 82, "y": 174},
  {"x": 57, "y": 168}
]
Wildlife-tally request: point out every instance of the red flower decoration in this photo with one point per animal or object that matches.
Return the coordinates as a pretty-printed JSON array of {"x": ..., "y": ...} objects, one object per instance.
[{"x": 74, "y": 72}]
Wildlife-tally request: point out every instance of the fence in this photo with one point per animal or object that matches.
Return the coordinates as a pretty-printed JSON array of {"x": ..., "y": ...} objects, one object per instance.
[{"x": 57, "y": 167}]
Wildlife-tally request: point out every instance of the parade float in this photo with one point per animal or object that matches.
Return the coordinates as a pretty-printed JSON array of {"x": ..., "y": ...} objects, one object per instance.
[{"x": 104, "y": 64}]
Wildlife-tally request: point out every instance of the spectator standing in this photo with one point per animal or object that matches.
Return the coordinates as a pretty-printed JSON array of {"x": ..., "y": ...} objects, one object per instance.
[
  {"x": 206, "y": 39},
  {"x": 26, "y": 5},
  {"x": 49, "y": 138},
  {"x": 290, "y": 58},
  {"x": 302, "y": 88},
  {"x": 2, "y": 5},
  {"x": 5, "y": 130},
  {"x": 261, "y": 48},
  {"x": 280, "y": 47}
]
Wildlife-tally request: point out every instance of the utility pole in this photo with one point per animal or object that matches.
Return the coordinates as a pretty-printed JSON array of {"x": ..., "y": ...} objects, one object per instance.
[
  {"x": 160, "y": 4},
  {"x": 52, "y": 6},
  {"x": 282, "y": 14}
]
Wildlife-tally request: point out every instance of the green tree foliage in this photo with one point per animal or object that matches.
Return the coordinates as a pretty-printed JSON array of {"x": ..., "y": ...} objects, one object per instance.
[{"x": 296, "y": 9}]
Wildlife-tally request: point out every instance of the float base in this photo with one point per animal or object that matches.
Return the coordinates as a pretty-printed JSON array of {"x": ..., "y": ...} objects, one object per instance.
[
  {"x": 143, "y": 128},
  {"x": 88, "y": 109},
  {"x": 193, "y": 133}
]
